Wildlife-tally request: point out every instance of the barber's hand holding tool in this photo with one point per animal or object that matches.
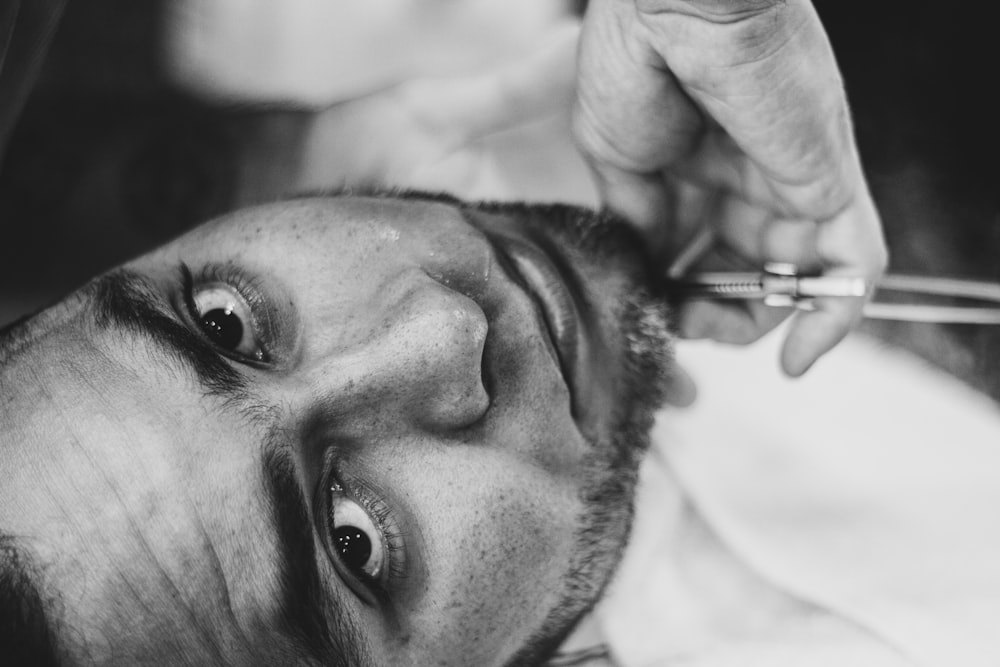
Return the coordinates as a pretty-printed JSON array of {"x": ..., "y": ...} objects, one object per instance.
[{"x": 730, "y": 116}]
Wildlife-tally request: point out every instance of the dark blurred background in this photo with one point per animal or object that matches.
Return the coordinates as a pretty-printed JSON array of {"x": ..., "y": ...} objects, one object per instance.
[
  {"x": 922, "y": 79},
  {"x": 109, "y": 161}
]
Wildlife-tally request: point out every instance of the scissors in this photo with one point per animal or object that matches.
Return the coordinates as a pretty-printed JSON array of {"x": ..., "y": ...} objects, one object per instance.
[{"x": 781, "y": 285}]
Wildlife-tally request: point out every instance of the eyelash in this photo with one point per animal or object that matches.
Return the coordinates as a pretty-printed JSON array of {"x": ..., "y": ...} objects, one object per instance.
[
  {"x": 383, "y": 517},
  {"x": 248, "y": 288}
]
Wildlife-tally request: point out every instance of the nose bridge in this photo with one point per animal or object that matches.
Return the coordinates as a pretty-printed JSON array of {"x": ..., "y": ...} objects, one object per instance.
[{"x": 421, "y": 367}]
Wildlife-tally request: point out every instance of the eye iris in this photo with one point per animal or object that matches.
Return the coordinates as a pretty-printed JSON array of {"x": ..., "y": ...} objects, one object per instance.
[
  {"x": 353, "y": 546},
  {"x": 224, "y": 327}
]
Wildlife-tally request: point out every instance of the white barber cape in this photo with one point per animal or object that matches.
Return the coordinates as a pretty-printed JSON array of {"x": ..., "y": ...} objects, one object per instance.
[{"x": 851, "y": 517}]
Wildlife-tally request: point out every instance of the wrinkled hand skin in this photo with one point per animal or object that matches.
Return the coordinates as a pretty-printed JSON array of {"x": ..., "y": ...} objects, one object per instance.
[{"x": 731, "y": 114}]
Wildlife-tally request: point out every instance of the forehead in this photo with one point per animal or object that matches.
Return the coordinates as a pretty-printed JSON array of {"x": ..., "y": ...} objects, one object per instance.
[
  {"x": 157, "y": 491},
  {"x": 338, "y": 215}
]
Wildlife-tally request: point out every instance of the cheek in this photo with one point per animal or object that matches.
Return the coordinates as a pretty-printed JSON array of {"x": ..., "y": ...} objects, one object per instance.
[
  {"x": 496, "y": 554},
  {"x": 506, "y": 551}
]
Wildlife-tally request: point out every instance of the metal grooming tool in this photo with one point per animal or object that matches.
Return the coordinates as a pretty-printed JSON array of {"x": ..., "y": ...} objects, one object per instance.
[
  {"x": 781, "y": 285},
  {"x": 778, "y": 285}
]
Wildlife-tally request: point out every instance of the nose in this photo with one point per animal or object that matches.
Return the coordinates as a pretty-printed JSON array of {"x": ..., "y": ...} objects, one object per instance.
[
  {"x": 422, "y": 364},
  {"x": 397, "y": 335}
]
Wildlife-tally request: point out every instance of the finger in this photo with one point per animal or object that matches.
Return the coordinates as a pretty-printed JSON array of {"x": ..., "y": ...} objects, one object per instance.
[
  {"x": 814, "y": 333},
  {"x": 765, "y": 72},
  {"x": 695, "y": 213},
  {"x": 705, "y": 217},
  {"x": 850, "y": 245},
  {"x": 736, "y": 323},
  {"x": 681, "y": 389},
  {"x": 719, "y": 163},
  {"x": 643, "y": 200},
  {"x": 752, "y": 234},
  {"x": 758, "y": 236},
  {"x": 792, "y": 242}
]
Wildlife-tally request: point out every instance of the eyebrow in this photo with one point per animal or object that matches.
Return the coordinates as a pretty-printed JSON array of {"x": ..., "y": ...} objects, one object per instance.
[
  {"x": 126, "y": 301},
  {"x": 308, "y": 607}
]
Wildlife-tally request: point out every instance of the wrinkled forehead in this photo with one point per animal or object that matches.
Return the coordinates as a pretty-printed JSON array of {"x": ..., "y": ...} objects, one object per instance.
[
  {"x": 312, "y": 215},
  {"x": 181, "y": 484}
]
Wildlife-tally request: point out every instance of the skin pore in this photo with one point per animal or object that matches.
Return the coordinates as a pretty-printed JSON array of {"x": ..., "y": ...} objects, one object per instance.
[{"x": 340, "y": 430}]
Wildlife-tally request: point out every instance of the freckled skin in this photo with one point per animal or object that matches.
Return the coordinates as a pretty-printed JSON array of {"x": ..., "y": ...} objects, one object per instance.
[{"x": 140, "y": 495}]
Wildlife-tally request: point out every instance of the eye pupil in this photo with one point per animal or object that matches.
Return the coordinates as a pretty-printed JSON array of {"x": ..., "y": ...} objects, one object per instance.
[
  {"x": 353, "y": 546},
  {"x": 224, "y": 327}
]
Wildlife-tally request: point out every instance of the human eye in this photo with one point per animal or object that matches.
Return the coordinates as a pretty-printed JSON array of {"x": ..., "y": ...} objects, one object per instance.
[
  {"x": 221, "y": 302},
  {"x": 362, "y": 539}
]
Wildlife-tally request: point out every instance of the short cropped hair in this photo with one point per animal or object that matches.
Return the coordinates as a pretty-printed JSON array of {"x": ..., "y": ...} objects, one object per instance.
[
  {"x": 12, "y": 336},
  {"x": 26, "y": 635}
]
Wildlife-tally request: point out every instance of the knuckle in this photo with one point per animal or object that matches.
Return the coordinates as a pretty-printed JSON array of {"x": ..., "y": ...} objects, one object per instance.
[
  {"x": 880, "y": 259},
  {"x": 716, "y": 11},
  {"x": 751, "y": 37},
  {"x": 872, "y": 239},
  {"x": 594, "y": 138}
]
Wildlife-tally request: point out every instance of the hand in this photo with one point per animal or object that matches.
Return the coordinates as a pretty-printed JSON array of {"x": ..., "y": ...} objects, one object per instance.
[
  {"x": 501, "y": 133},
  {"x": 731, "y": 114}
]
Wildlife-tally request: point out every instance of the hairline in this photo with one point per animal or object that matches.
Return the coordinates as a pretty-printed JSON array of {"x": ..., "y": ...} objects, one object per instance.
[
  {"x": 123, "y": 302},
  {"x": 30, "y": 633}
]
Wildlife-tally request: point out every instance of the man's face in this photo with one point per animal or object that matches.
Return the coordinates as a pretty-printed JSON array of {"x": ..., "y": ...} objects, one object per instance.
[{"x": 395, "y": 430}]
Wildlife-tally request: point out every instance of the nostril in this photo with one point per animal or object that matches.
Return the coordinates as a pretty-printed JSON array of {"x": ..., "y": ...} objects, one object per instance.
[
  {"x": 443, "y": 334},
  {"x": 456, "y": 368}
]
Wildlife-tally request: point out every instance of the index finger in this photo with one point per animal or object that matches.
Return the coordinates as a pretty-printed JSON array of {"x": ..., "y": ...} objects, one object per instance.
[{"x": 851, "y": 244}]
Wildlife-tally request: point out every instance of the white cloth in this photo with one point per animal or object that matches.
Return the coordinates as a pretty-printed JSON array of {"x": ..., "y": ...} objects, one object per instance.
[
  {"x": 318, "y": 52},
  {"x": 863, "y": 502}
]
